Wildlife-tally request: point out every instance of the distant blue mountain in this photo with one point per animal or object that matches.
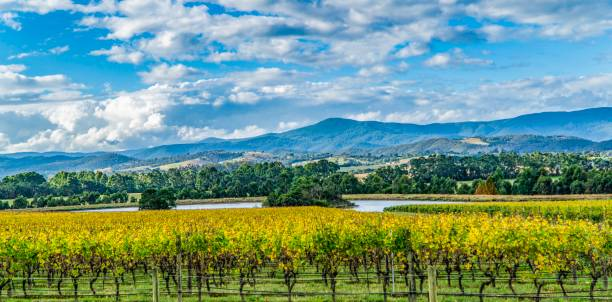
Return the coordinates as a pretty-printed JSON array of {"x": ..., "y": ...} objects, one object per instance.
[
  {"x": 51, "y": 164},
  {"x": 341, "y": 135},
  {"x": 577, "y": 131}
]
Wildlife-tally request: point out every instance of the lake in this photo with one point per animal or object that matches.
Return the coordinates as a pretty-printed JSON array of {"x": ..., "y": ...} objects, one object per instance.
[{"x": 361, "y": 205}]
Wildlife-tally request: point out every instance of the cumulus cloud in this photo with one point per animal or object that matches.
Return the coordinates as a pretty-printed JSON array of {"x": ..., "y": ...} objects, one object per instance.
[
  {"x": 143, "y": 117},
  {"x": 333, "y": 58},
  {"x": 365, "y": 116},
  {"x": 192, "y": 134},
  {"x": 412, "y": 49},
  {"x": 286, "y": 126},
  {"x": 18, "y": 87},
  {"x": 303, "y": 32},
  {"x": 455, "y": 57},
  {"x": 376, "y": 70},
  {"x": 10, "y": 19},
  {"x": 500, "y": 100},
  {"x": 36, "y": 6},
  {"x": 289, "y": 31},
  {"x": 120, "y": 54},
  {"x": 164, "y": 73},
  {"x": 573, "y": 20},
  {"x": 58, "y": 50}
]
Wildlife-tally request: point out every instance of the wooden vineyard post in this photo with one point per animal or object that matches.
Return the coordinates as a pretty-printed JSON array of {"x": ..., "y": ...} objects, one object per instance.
[
  {"x": 605, "y": 273},
  {"x": 431, "y": 282},
  {"x": 392, "y": 274},
  {"x": 179, "y": 270},
  {"x": 155, "y": 285},
  {"x": 604, "y": 261},
  {"x": 411, "y": 279}
]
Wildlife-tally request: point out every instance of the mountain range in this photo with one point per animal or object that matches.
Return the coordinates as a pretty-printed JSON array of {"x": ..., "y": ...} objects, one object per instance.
[
  {"x": 572, "y": 131},
  {"x": 345, "y": 135}
]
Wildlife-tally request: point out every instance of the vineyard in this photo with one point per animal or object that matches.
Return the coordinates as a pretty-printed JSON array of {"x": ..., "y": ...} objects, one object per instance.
[
  {"x": 300, "y": 254},
  {"x": 592, "y": 210}
]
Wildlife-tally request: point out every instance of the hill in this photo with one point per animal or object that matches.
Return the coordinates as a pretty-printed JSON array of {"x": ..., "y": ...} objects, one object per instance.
[
  {"x": 577, "y": 131},
  {"x": 344, "y": 135},
  {"x": 508, "y": 143},
  {"x": 50, "y": 164}
]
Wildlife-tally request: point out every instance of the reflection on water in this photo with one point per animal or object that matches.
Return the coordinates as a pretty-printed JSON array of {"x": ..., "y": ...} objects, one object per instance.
[{"x": 361, "y": 205}]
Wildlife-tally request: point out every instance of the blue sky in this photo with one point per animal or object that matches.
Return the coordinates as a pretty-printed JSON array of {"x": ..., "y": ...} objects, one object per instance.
[{"x": 113, "y": 75}]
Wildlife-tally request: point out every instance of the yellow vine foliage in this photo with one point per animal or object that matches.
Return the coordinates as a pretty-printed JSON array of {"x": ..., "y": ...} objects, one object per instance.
[
  {"x": 287, "y": 238},
  {"x": 592, "y": 210}
]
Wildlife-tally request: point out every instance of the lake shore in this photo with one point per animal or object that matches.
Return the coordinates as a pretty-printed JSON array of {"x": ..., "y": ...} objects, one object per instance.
[
  {"x": 349, "y": 197},
  {"x": 476, "y": 198}
]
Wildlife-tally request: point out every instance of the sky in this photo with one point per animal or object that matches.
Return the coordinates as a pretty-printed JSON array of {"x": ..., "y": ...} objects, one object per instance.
[{"x": 115, "y": 75}]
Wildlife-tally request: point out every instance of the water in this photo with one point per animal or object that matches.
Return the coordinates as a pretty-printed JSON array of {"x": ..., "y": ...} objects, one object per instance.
[
  {"x": 380, "y": 205},
  {"x": 361, "y": 205}
]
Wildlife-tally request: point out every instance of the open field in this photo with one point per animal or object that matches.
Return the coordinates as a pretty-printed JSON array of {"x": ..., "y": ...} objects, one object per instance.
[
  {"x": 221, "y": 200},
  {"x": 315, "y": 254},
  {"x": 592, "y": 210},
  {"x": 476, "y": 198}
]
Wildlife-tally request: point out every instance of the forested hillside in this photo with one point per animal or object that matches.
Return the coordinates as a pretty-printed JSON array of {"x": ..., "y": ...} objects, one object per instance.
[{"x": 506, "y": 173}]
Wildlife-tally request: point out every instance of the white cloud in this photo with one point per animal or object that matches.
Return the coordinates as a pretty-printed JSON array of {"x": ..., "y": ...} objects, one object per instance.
[
  {"x": 12, "y": 68},
  {"x": 36, "y": 6},
  {"x": 422, "y": 102},
  {"x": 53, "y": 51},
  {"x": 286, "y": 126},
  {"x": 574, "y": 19},
  {"x": 455, "y": 57},
  {"x": 120, "y": 54},
  {"x": 59, "y": 49},
  {"x": 193, "y": 134},
  {"x": 23, "y": 55},
  {"x": 365, "y": 116},
  {"x": 287, "y": 31},
  {"x": 10, "y": 19},
  {"x": 438, "y": 60},
  {"x": 424, "y": 116},
  {"x": 376, "y": 70},
  {"x": 412, "y": 49},
  {"x": 143, "y": 118},
  {"x": 4, "y": 141},
  {"x": 243, "y": 97},
  {"x": 366, "y": 33},
  {"x": 164, "y": 73},
  {"x": 17, "y": 87}
]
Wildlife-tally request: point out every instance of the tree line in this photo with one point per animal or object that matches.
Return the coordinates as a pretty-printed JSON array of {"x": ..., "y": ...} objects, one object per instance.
[{"x": 322, "y": 181}]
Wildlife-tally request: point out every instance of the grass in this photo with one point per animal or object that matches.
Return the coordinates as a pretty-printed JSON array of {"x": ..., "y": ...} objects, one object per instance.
[
  {"x": 476, "y": 198},
  {"x": 221, "y": 200},
  {"x": 592, "y": 210},
  {"x": 309, "y": 287},
  {"x": 82, "y": 207}
]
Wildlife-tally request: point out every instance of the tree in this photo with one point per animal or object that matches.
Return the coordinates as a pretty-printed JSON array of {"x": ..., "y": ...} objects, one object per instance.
[
  {"x": 20, "y": 203},
  {"x": 153, "y": 199},
  {"x": 465, "y": 189},
  {"x": 525, "y": 181},
  {"x": 486, "y": 188},
  {"x": 309, "y": 191},
  {"x": 374, "y": 183},
  {"x": 25, "y": 184},
  {"x": 544, "y": 185},
  {"x": 402, "y": 185}
]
